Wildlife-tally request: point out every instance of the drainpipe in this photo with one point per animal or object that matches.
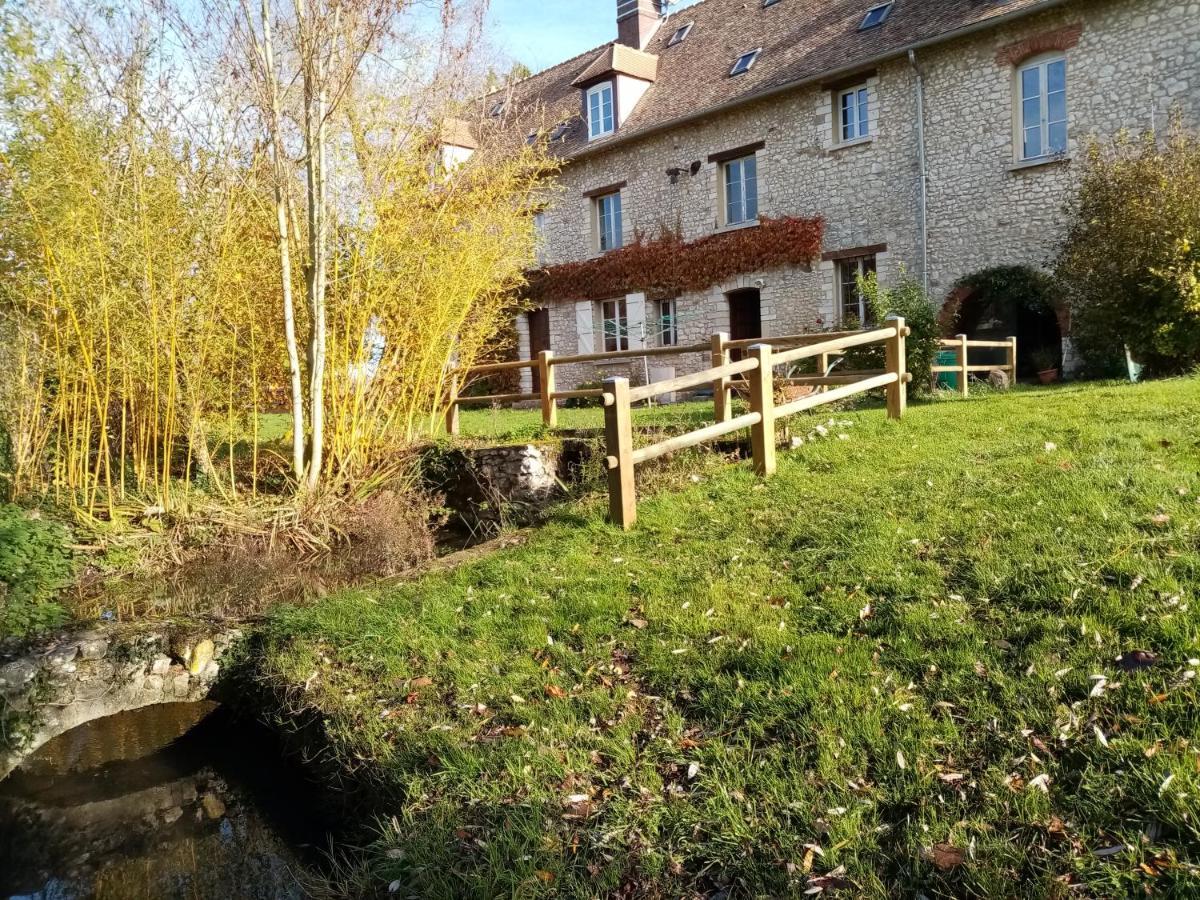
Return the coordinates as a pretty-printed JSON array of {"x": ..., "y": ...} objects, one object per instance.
[{"x": 920, "y": 90}]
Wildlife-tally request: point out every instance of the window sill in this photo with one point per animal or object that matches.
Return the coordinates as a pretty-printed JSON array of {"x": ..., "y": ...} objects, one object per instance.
[
  {"x": 857, "y": 142},
  {"x": 1039, "y": 162},
  {"x": 609, "y": 363},
  {"x": 753, "y": 223}
]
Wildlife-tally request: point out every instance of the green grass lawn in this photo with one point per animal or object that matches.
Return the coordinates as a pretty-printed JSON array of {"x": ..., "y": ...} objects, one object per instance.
[{"x": 903, "y": 666}]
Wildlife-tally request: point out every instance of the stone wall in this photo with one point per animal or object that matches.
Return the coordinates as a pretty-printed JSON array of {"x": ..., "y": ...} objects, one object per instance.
[
  {"x": 1132, "y": 62},
  {"x": 76, "y": 677}
]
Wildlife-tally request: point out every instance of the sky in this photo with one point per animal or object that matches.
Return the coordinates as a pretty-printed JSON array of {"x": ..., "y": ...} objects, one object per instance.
[{"x": 540, "y": 33}]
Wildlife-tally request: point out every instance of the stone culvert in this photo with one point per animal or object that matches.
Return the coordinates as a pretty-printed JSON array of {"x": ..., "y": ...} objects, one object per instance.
[{"x": 75, "y": 677}]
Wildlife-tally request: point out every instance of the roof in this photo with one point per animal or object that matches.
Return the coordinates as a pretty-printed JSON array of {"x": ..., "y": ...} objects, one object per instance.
[
  {"x": 618, "y": 58},
  {"x": 801, "y": 40}
]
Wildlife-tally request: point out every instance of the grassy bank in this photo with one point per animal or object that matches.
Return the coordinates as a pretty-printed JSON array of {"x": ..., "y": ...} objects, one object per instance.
[{"x": 904, "y": 664}]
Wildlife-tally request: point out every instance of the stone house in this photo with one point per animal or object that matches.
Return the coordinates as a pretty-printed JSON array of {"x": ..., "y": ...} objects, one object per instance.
[{"x": 931, "y": 136}]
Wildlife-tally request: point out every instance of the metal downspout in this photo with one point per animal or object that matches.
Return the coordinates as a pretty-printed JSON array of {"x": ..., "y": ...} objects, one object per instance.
[{"x": 920, "y": 90}]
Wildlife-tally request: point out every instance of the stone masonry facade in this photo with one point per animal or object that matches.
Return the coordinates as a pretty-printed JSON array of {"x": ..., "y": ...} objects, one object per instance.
[{"x": 1131, "y": 64}]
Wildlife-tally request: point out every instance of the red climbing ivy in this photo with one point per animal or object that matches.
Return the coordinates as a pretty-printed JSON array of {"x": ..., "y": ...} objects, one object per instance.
[{"x": 667, "y": 266}]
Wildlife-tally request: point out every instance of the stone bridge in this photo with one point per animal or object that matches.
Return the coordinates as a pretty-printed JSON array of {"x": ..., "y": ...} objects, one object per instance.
[{"x": 75, "y": 677}]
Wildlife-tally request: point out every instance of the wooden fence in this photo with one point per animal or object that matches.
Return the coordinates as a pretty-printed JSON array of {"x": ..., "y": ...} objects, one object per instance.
[
  {"x": 961, "y": 345},
  {"x": 758, "y": 367},
  {"x": 720, "y": 347}
]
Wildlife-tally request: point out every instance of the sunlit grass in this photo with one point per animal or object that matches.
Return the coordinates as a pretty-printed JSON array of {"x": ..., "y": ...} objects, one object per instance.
[{"x": 906, "y": 639}]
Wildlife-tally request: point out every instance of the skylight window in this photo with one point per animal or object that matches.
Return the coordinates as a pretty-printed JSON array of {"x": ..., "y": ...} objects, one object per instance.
[
  {"x": 680, "y": 33},
  {"x": 745, "y": 62},
  {"x": 560, "y": 131},
  {"x": 876, "y": 15},
  {"x": 767, "y": 3},
  {"x": 497, "y": 110}
]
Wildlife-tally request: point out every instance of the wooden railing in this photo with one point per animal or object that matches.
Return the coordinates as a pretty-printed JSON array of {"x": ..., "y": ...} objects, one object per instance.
[
  {"x": 961, "y": 345},
  {"x": 758, "y": 367},
  {"x": 720, "y": 347}
]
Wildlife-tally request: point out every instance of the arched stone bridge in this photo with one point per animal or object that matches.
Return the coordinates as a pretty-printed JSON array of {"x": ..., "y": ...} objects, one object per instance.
[{"x": 73, "y": 678}]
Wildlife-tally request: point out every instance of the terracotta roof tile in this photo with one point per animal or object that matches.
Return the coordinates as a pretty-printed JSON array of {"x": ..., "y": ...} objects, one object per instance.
[{"x": 802, "y": 40}]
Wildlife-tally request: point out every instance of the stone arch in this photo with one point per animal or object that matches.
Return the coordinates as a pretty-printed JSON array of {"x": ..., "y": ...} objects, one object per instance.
[
  {"x": 74, "y": 678},
  {"x": 992, "y": 305}
]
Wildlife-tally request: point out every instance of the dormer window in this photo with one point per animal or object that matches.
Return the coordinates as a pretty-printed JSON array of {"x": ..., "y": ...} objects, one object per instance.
[
  {"x": 680, "y": 33},
  {"x": 601, "y": 117},
  {"x": 745, "y": 62},
  {"x": 876, "y": 15}
]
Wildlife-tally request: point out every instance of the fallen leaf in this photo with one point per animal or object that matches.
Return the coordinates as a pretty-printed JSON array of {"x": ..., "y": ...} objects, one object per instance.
[
  {"x": 1042, "y": 783},
  {"x": 553, "y": 690},
  {"x": 900, "y": 760},
  {"x": 423, "y": 681},
  {"x": 946, "y": 856},
  {"x": 638, "y": 623},
  {"x": 951, "y": 777},
  {"x": 545, "y": 876},
  {"x": 1109, "y": 851}
]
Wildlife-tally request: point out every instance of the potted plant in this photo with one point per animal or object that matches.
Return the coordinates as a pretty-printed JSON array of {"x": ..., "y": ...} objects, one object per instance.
[{"x": 1045, "y": 361}]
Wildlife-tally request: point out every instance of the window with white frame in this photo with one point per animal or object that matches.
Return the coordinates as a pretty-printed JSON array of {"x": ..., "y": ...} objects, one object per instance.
[
  {"x": 680, "y": 34},
  {"x": 854, "y": 307},
  {"x": 614, "y": 320},
  {"x": 668, "y": 325},
  {"x": 600, "y": 110},
  {"x": 741, "y": 190},
  {"x": 539, "y": 232},
  {"x": 745, "y": 62},
  {"x": 854, "y": 114},
  {"x": 1043, "y": 107},
  {"x": 608, "y": 221}
]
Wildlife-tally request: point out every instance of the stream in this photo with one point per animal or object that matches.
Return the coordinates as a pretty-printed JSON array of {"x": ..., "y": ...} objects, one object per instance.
[{"x": 178, "y": 800}]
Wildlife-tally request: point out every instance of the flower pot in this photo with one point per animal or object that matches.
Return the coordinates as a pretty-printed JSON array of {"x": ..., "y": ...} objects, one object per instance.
[{"x": 1048, "y": 376}]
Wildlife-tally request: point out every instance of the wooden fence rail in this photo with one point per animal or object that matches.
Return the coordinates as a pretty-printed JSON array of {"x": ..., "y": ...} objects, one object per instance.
[
  {"x": 961, "y": 344},
  {"x": 759, "y": 367},
  {"x": 720, "y": 347}
]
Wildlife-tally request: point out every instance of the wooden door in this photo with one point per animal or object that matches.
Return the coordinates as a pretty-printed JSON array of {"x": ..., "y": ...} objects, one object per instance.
[
  {"x": 745, "y": 317},
  {"x": 539, "y": 340}
]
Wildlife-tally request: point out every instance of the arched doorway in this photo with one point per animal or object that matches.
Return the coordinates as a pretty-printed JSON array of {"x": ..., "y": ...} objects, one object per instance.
[{"x": 996, "y": 303}]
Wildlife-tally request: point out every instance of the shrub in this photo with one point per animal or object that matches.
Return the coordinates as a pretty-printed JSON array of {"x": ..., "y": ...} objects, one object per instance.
[
  {"x": 1131, "y": 261},
  {"x": 908, "y": 299},
  {"x": 35, "y": 563},
  {"x": 585, "y": 402}
]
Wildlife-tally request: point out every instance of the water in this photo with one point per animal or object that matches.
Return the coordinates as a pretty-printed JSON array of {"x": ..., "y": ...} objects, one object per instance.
[{"x": 170, "y": 801}]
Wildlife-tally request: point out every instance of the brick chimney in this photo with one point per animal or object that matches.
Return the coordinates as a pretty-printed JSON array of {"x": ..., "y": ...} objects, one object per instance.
[{"x": 637, "y": 20}]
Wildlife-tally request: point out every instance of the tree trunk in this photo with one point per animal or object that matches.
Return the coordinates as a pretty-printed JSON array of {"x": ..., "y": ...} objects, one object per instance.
[
  {"x": 285, "y": 255},
  {"x": 318, "y": 240}
]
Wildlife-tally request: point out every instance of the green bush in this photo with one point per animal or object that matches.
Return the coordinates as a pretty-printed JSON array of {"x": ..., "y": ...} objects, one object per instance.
[
  {"x": 908, "y": 299},
  {"x": 35, "y": 563},
  {"x": 1131, "y": 261}
]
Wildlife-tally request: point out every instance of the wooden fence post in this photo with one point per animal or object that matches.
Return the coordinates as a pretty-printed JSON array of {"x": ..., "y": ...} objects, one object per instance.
[
  {"x": 546, "y": 379},
  {"x": 722, "y": 397},
  {"x": 762, "y": 401},
  {"x": 452, "y": 423},
  {"x": 897, "y": 391},
  {"x": 618, "y": 431},
  {"x": 822, "y": 369},
  {"x": 963, "y": 372},
  {"x": 1012, "y": 360}
]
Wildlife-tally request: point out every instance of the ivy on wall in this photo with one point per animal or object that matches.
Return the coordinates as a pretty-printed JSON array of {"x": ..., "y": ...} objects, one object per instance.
[{"x": 668, "y": 265}]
